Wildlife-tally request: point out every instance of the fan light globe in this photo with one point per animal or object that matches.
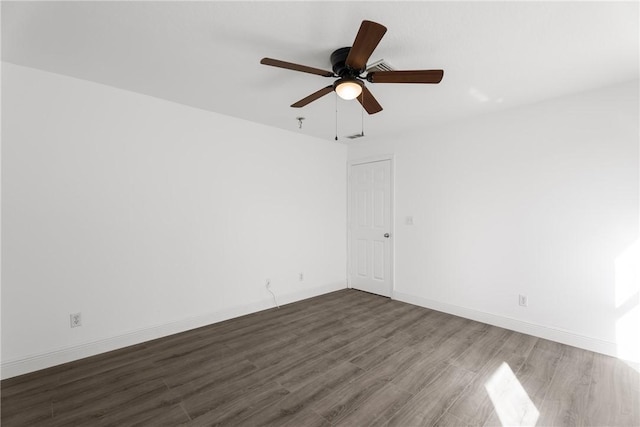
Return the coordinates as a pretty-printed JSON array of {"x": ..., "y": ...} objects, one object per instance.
[{"x": 349, "y": 89}]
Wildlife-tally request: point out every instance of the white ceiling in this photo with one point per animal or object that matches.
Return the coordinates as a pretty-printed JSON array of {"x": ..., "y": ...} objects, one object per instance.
[{"x": 495, "y": 55}]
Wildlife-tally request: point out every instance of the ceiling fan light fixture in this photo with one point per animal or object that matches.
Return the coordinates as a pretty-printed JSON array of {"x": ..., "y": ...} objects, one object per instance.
[
  {"x": 349, "y": 63},
  {"x": 348, "y": 88}
]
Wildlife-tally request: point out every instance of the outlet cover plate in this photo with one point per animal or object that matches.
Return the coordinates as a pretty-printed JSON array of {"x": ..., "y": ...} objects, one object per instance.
[
  {"x": 523, "y": 300},
  {"x": 75, "y": 319}
]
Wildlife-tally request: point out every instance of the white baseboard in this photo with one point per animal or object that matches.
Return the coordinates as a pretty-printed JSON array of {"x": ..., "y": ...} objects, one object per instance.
[
  {"x": 12, "y": 368},
  {"x": 536, "y": 330}
]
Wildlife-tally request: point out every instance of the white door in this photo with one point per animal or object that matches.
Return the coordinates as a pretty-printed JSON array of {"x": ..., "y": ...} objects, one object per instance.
[{"x": 370, "y": 227}]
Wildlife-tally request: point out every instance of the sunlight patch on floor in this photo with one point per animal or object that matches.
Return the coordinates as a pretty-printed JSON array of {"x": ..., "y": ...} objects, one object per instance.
[{"x": 510, "y": 400}]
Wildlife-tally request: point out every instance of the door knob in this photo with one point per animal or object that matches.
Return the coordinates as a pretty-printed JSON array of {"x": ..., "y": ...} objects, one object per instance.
[{"x": 386, "y": 235}]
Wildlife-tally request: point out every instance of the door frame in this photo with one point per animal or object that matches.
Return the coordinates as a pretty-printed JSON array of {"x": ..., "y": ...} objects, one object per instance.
[{"x": 392, "y": 243}]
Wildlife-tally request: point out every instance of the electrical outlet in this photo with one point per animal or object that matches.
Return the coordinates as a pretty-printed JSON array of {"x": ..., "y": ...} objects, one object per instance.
[
  {"x": 75, "y": 319},
  {"x": 301, "y": 277},
  {"x": 523, "y": 300}
]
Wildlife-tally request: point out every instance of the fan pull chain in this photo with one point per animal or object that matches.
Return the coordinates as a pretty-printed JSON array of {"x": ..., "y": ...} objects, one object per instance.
[
  {"x": 362, "y": 115},
  {"x": 336, "y": 97}
]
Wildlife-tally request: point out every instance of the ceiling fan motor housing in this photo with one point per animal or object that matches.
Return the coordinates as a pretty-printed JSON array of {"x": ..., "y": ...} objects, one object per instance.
[{"x": 338, "y": 59}]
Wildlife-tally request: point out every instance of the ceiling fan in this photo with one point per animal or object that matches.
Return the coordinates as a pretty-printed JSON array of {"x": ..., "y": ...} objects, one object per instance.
[{"x": 349, "y": 64}]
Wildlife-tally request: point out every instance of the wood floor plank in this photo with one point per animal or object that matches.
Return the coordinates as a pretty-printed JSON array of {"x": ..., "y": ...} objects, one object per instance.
[
  {"x": 206, "y": 409},
  {"x": 432, "y": 319},
  {"x": 192, "y": 351},
  {"x": 271, "y": 352},
  {"x": 539, "y": 368},
  {"x": 354, "y": 337},
  {"x": 149, "y": 413},
  {"x": 290, "y": 407},
  {"x": 189, "y": 382},
  {"x": 307, "y": 418},
  {"x": 67, "y": 397},
  {"x": 407, "y": 317},
  {"x": 344, "y": 358},
  {"x": 432, "y": 402},
  {"x": 347, "y": 399},
  {"x": 171, "y": 416},
  {"x": 40, "y": 413},
  {"x": 220, "y": 394},
  {"x": 27, "y": 399},
  {"x": 567, "y": 399},
  {"x": 312, "y": 368},
  {"x": 378, "y": 408},
  {"x": 78, "y": 409},
  {"x": 443, "y": 329},
  {"x": 448, "y": 420},
  {"x": 344, "y": 328},
  {"x": 377, "y": 354},
  {"x": 251, "y": 338},
  {"x": 276, "y": 370},
  {"x": 420, "y": 375},
  {"x": 614, "y": 393},
  {"x": 474, "y": 405},
  {"x": 449, "y": 348},
  {"x": 535, "y": 374},
  {"x": 396, "y": 364},
  {"x": 483, "y": 349}
]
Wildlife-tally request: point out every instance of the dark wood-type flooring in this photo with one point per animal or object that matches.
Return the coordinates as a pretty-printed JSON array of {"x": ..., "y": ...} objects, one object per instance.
[{"x": 346, "y": 358}]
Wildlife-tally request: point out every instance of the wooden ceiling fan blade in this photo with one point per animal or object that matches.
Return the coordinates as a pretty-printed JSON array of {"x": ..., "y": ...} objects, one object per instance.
[
  {"x": 368, "y": 37},
  {"x": 296, "y": 67},
  {"x": 319, "y": 94},
  {"x": 408, "y": 76},
  {"x": 369, "y": 102}
]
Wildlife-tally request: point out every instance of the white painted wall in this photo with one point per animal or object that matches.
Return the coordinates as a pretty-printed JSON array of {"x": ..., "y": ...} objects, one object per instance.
[
  {"x": 540, "y": 200},
  {"x": 151, "y": 217}
]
